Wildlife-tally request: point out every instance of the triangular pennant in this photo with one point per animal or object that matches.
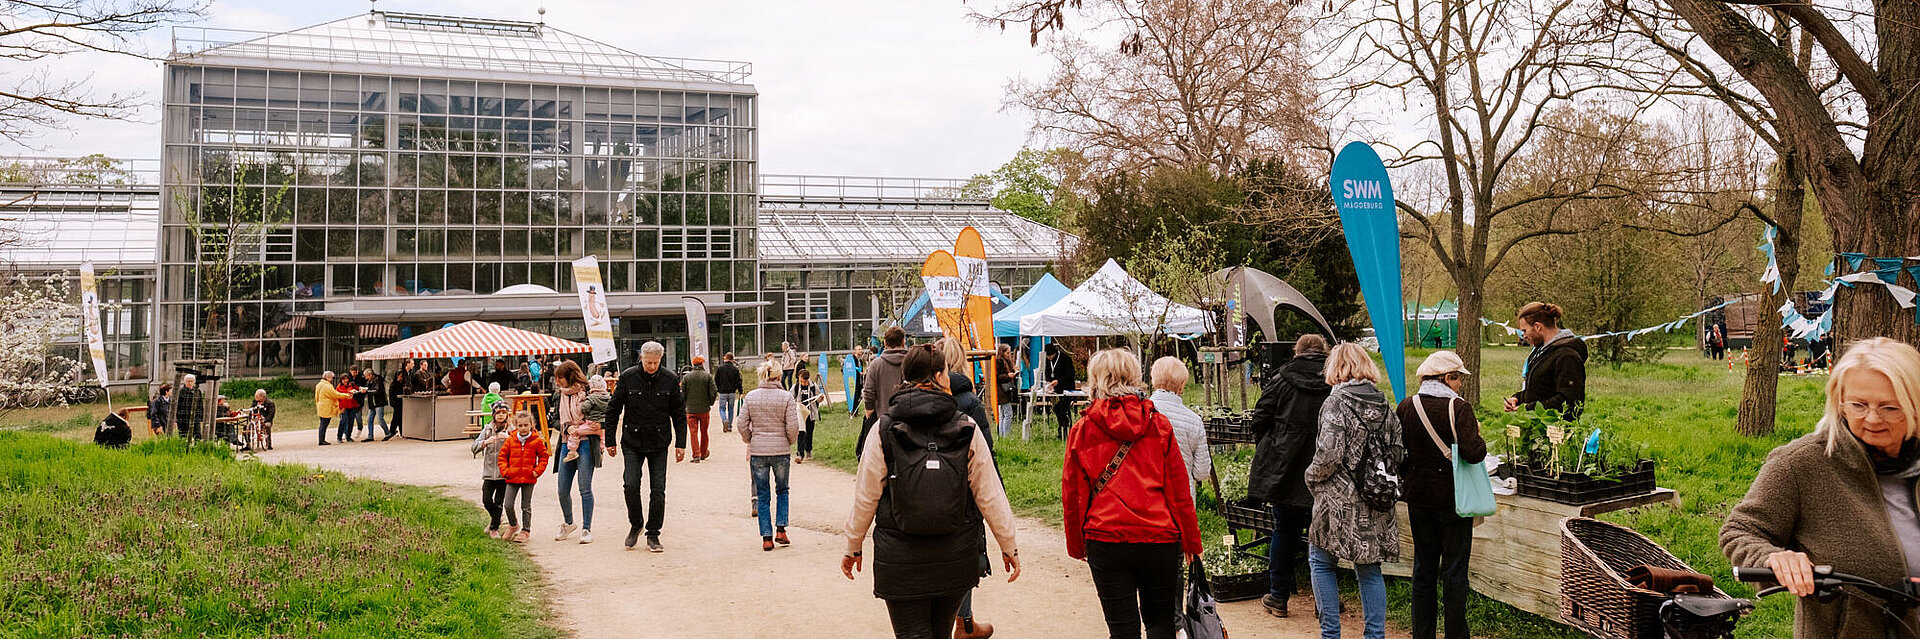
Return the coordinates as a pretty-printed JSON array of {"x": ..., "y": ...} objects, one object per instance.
[
  {"x": 1888, "y": 268},
  {"x": 1853, "y": 260}
]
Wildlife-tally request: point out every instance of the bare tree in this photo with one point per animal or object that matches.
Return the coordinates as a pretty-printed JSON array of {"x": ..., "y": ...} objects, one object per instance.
[
  {"x": 1671, "y": 62},
  {"x": 33, "y": 32},
  {"x": 1857, "y": 147},
  {"x": 1194, "y": 83}
]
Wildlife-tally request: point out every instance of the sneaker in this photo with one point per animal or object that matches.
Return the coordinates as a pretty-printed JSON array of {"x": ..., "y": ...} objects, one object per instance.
[
  {"x": 766, "y": 544},
  {"x": 522, "y": 537},
  {"x": 511, "y": 531},
  {"x": 653, "y": 545},
  {"x": 571, "y": 455},
  {"x": 566, "y": 530},
  {"x": 781, "y": 538},
  {"x": 1276, "y": 606},
  {"x": 493, "y": 533},
  {"x": 325, "y": 443},
  {"x": 632, "y": 536},
  {"x": 695, "y": 460},
  {"x": 800, "y": 460},
  {"x": 586, "y": 537}
]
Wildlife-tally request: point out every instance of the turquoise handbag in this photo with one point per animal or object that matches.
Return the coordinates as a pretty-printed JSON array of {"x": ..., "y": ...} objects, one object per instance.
[{"x": 1472, "y": 489}]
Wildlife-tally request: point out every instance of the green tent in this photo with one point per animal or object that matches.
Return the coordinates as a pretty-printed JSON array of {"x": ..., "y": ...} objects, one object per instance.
[{"x": 1436, "y": 326}]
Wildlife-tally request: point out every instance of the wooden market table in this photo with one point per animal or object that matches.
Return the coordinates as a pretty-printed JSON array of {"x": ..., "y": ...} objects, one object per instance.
[
  {"x": 1516, "y": 552},
  {"x": 436, "y": 417}
]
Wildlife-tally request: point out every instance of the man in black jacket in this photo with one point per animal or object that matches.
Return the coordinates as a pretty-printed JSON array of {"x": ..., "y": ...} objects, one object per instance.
[
  {"x": 726, "y": 380},
  {"x": 1555, "y": 375},
  {"x": 648, "y": 396},
  {"x": 1286, "y": 422},
  {"x": 186, "y": 407},
  {"x": 499, "y": 375}
]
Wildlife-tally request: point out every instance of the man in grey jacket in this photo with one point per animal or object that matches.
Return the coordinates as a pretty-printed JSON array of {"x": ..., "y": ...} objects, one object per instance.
[{"x": 883, "y": 378}]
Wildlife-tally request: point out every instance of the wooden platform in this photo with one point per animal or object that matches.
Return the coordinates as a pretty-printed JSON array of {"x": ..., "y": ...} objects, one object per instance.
[{"x": 1516, "y": 553}]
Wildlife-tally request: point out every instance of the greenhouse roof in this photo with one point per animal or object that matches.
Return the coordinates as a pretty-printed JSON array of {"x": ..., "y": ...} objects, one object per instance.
[
  {"x": 384, "y": 41},
  {"x": 862, "y": 235},
  {"x": 62, "y": 215}
]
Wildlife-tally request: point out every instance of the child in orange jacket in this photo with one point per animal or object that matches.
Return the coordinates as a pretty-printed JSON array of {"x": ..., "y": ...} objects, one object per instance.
[{"x": 522, "y": 458}]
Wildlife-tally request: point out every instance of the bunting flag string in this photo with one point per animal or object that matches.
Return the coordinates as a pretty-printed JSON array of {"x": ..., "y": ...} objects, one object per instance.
[{"x": 1666, "y": 327}]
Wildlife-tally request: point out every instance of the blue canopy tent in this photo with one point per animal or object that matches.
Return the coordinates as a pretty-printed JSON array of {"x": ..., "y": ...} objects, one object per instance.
[{"x": 1006, "y": 322}]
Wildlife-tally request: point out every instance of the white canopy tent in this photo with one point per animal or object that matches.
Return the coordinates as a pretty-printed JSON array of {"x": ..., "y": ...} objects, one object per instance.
[{"x": 1113, "y": 303}]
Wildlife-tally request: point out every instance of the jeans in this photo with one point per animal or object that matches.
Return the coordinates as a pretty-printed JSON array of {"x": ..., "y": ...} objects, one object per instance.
[
  {"x": 1006, "y": 418},
  {"x": 582, "y": 468},
  {"x": 1442, "y": 543},
  {"x": 323, "y": 428},
  {"x": 1326, "y": 594},
  {"x": 1138, "y": 584},
  {"x": 524, "y": 493},
  {"x": 1283, "y": 553},
  {"x": 786, "y": 378},
  {"x": 725, "y": 403},
  {"x": 923, "y": 618},
  {"x": 378, "y": 414},
  {"x": 349, "y": 420},
  {"x": 697, "y": 431},
  {"x": 640, "y": 513},
  {"x": 491, "y": 492},
  {"x": 761, "y": 466}
]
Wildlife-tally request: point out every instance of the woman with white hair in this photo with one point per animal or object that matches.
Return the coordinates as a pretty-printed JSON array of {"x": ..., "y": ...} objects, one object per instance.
[
  {"x": 1843, "y": 495},
  {"x": 326, "y": 402},
  {"x": 1169, "y": 380}
]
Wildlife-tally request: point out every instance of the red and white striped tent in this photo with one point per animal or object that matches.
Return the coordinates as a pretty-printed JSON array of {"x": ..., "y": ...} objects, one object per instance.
[{"x": 474, "y": 339}]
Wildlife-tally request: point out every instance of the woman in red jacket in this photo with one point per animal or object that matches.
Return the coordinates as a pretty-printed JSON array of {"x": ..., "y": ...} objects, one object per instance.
[
  {"x": 1129, "y": 506},
  {"x": 522, "y": 458}
]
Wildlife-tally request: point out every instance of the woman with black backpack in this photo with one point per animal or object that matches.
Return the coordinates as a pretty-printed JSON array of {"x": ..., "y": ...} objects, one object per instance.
[
  {"x": 926, "y": 486},
  {"x": 1354, "y": 479}
]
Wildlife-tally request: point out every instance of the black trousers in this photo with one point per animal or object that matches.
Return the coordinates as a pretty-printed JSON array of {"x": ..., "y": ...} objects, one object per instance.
[
  {"x": 866, "y": 426},
  {"x": 394, "y": 419},
  {"x": 1286, "y": 548},
  {"x": 323, "y": 428},
  {"x": 644, "y": 513},
  {"x": 1062, "y": 415},
  {"x": 805, "y": 446},
  {"x": 1138, "y": 584},
  {"x": 492, "y": 492},
  {"x": 1442, "y": 542},
  {"x": 923, "y": 618}
]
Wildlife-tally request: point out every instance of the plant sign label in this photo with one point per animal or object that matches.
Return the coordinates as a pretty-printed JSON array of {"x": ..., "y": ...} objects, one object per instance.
[{"x": 1364, "y": 196}]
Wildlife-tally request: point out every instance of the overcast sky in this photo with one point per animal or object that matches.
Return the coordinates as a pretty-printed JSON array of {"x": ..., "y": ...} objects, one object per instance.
[{"x": 847, "y": 87}]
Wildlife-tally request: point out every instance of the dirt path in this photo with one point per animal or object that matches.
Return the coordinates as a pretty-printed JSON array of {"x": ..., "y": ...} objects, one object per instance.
[{"x": 714, "y": 581}]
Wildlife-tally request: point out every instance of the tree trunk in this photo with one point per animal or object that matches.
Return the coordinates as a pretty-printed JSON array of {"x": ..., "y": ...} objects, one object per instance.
[
  {"x": 1467, "y": 342},
  {"x": 1761, "y": 391},
  {"x": 1889, "y": 230}
]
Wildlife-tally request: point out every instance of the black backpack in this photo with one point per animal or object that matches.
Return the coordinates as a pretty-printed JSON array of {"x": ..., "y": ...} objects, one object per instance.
[
  {"x": 1376, "y": 475},
  {"x": 927, "y": 491}
]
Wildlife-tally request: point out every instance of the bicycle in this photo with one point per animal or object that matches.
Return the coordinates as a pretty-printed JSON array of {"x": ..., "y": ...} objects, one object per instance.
[{"x": 1695, "y": 616}]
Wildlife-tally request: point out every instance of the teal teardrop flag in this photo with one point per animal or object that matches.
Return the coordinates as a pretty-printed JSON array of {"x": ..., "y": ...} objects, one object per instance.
[{"x": 1364, "y": 196}]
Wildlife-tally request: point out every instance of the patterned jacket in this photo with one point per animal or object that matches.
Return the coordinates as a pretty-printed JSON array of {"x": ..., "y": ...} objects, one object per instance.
[{"x": 1342, "y": 523}]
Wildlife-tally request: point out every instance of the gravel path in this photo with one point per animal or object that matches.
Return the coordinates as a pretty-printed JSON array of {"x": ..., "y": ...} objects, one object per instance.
[{"x": 714, "y": 581}]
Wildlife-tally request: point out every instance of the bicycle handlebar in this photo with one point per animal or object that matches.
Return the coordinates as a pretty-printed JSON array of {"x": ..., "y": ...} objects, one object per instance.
[{"x": 1765, "y": 575}]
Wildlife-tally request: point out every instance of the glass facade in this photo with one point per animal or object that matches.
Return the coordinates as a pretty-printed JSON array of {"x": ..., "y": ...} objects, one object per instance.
[{"x": 333, "y": 187}]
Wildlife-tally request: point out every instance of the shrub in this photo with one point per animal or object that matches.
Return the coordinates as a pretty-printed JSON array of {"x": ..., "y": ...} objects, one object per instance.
[{"x": 280, "y": 387}]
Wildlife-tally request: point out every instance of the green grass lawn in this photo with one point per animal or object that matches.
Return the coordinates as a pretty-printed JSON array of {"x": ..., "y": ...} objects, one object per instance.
[
  {"x": 164, "y": 541},
  {"x": 1683, "y": 408}
]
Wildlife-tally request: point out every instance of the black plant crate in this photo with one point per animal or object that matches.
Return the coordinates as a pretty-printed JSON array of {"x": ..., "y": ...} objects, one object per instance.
[
  {"x": 1233, "y": 429},
  {"x": 1239, "y": 587},
  {"x": 1578, "y": 488},
  {"x": 1248, "y": 514}
]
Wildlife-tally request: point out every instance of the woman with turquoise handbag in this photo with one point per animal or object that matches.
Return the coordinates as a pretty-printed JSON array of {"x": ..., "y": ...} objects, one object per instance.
[{"x": 1445, "y": 486}]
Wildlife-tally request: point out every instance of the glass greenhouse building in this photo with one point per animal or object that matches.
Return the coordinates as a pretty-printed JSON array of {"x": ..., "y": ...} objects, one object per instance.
[{"x": 330, "y": 189}]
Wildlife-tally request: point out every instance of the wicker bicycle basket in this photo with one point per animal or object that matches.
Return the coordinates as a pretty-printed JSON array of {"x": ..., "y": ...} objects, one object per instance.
[{"x": 1594, "y": 593}]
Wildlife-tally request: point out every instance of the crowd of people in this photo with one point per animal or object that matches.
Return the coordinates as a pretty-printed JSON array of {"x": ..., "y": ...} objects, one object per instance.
[{"x": 928, "y": 493}]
